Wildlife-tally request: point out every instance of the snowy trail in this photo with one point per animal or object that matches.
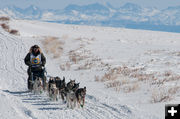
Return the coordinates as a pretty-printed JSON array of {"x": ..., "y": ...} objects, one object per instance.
[
  {"x": 12, "y": 53},
  {"x": 39, "y": 106},
  {"x": 26, "y": 105},
  {"x": 16, "y": 102},
  {"x": 12, "y": 73}
]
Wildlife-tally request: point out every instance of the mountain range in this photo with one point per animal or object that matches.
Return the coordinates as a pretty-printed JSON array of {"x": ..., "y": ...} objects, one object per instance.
[{"x": 129, "y": 16}]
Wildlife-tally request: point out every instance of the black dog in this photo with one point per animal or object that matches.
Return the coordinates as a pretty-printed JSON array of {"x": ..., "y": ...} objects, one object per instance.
[
  {"x": 61, "y": 85},
  {"x": 80, "y": 95}
]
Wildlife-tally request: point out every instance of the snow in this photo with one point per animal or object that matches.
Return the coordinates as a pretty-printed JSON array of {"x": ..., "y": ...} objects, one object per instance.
[{"x": 113, "y": 47}]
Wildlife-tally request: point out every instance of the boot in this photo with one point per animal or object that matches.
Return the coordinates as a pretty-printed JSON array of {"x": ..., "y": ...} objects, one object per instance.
[{"x": 30, "y": 85}]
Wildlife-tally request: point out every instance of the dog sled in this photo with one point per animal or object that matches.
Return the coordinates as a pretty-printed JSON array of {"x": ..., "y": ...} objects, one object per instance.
[
  {"x": 56, "y": 88},
  {"x": 37, "y": 82}
]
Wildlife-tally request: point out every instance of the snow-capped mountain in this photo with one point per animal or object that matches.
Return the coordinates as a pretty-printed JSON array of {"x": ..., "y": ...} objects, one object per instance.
[
  {"x": 129, "y": 16},
  {"x": 31, "y": 12}
]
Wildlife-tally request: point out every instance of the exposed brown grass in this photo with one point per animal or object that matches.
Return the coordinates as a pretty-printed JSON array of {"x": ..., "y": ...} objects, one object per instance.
[
  {"x": 68, "y": 65},
  {"x": 119, "y": 78},
  {"x": 177, "y": 53},
  {"x": 87, "y": 65},
  {"x": 62, "y": 67},
  {"x": 123, "y": 84},
  {"x": 109, "y": 76},
  {"x": 160, "y": 97},
  {"x": 158, "y": 82},
  {"x": 131, "y": 87},
  {"x": 136, "y": 77},
  {"x": 163, "y": 94},
  {"x": 167, "y": 73},
  {"x": 82, "y": 58},
  {"x": 78, "y": 55},
  {"x": 117, "y": 83},
  {"x": 14, "y": 32},
  {"x": 174, "y": 90},
  {"x": 79, "y": 39},
  {"x": 113, "y": 75},
  {"x": 124, "y": 71},
  {"x": 143, "y": 76},
  {"x": 5, "y": 27},
  {"x": 65, "y": 66},
  {"x": 4, "y": 24},
  {"x": 149, "y": 52},
  {"x": 4, "y": 18},
  {"x": 96, "y": 78},
  {"x": 53, "y": 46},
  {"x": 174, "y": 77},
  {"x": 74, "y": 57}
]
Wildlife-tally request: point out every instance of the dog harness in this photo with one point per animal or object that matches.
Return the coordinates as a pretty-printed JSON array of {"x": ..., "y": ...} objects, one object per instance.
[{"x": 35, "y": 60}]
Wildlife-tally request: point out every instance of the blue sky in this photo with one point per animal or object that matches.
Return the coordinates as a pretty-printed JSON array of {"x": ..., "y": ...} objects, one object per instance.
[{"x": 59, "y": 4}]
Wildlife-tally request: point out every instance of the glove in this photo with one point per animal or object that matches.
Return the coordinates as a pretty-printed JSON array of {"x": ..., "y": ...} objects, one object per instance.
[{"x": 42, "y": 65}]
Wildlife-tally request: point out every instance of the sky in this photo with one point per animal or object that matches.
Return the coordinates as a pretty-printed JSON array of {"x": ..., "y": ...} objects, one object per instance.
[{"x": 60, "y": 4}]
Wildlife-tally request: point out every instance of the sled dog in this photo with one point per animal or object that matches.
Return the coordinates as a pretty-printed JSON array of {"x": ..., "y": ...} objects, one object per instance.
[
  {"x": 53, "y": 90},
  {"x": 71, "y": 96},
  {"x": 37, "y": 86},
  {"x": 61, "y": 85},
  {"x": 80, "y": 95},
  {"x": 71, "y": 99},
  {"x": 70, "y": 85}
]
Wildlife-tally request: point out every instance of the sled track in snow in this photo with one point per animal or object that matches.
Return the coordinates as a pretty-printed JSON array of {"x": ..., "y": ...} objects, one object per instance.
[
  {"x": 39, "y": 106},
  {"x": 12, "y": 52},
  {"x": 92, "y": 109}
]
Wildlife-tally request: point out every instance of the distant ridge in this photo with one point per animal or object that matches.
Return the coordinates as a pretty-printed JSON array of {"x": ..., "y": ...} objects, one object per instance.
[{"x": 129, "y": 15}]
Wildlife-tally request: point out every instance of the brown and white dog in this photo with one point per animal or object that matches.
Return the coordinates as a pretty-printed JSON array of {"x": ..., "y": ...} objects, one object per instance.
[
  {"x": 53, "y": 90},
  {"x": 38, "y": 86},
  {"x": 80, "y": 95},
  {"x": 71, "y": 94}
]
